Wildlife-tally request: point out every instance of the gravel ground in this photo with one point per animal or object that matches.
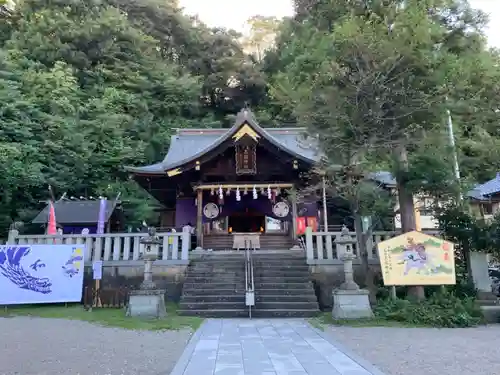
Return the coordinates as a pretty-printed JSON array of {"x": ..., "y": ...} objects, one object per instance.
[
  {"x": 425, "y": 351},
  {"x": 30, "y": 346}
]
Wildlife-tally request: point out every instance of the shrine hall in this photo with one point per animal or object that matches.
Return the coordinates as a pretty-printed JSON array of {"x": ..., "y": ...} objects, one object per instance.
[{"x": 241, "y": 180}]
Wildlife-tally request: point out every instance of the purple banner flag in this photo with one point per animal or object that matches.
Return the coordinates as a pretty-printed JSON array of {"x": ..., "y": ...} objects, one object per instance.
[{"x": 102, "y": 216}]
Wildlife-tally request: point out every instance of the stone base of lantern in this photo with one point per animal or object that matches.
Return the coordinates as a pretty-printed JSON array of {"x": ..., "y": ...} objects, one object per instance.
[
  {"x": 351, "y": 304},
  {"x": 148, "y": 304}
]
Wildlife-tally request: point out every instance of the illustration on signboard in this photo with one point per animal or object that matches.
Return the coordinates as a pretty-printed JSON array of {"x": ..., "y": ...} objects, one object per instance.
[
  {"x": 11, "y": 267},
  {"x": 74, "y": 263},
  {"x": 416, "y": 258}
]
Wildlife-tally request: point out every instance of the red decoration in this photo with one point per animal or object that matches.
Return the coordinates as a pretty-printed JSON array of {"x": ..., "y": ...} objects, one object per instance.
[
  {"x": 446, "y": 256},
  {"x": 51, "y": 226},
  {"x": 301, "y": 225},
  {"x": 446, "y": 246},
  {"x": 312, "y": 221}
]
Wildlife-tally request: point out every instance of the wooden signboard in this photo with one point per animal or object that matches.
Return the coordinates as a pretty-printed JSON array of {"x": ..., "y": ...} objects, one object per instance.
[{"x": 415, "y": 258}]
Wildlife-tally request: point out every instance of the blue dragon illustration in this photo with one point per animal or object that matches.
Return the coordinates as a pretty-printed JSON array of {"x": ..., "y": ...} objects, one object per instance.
[{"x": 11, "y": 268}]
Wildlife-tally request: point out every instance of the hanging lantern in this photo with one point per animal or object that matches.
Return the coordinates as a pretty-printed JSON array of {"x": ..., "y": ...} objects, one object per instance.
[
  {"x": 212, "y": 191},
  {"x": 228, "y": 191},
  {"x": 254, "y": 192},
  {"x": 245, "y": 192},
  {"x": 278, "y": 191},
  {"x": 269, "y": 195},
  {"x": 238, "y": 196}
]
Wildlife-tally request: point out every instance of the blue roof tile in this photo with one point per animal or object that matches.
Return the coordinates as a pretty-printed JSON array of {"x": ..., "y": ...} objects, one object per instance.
[{"x": 484, "y": 191}]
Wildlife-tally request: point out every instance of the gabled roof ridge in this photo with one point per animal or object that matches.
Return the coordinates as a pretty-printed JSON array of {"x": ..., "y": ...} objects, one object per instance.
[
  {"x": 245, "y": 116},
  {"x": 201, "y": 131}
]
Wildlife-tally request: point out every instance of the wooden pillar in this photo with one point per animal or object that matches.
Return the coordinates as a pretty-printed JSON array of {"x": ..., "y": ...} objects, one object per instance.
[
  {"x": 199, "y": 219},
  {"x": 294, "y": 217}
]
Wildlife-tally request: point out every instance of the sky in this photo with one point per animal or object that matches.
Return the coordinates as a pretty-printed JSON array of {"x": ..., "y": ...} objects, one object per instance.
[{"x": 232, "y": 14}]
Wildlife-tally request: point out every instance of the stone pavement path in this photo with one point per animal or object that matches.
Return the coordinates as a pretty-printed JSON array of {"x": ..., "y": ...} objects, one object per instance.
[{"x": 266, "y": 347}]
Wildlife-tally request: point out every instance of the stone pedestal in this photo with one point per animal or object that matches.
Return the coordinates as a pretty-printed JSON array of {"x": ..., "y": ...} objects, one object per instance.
[
  {"x": 351, "y": 304},
  {"x": 479, "y": 269},
  {"x": 147, "y": 304},
  {"x": 148, "y": 301}
]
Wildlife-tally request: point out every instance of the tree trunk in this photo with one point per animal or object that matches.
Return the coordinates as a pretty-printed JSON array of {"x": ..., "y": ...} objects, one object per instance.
[
  {"x": 363, "y": 256},
  {"x": 406, "y": 208}
]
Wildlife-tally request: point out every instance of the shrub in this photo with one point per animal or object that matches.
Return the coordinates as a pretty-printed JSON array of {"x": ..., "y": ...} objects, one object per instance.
[{"x": 439, "y": 310}]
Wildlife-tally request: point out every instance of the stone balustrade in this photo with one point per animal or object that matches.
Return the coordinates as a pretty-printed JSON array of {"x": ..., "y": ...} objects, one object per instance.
[{"x": 115, "y": 247}]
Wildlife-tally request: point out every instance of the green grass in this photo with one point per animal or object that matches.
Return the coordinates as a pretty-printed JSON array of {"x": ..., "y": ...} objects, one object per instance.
[
  {"x": 105, "y": 316},
  {"x": 325, "y": 319}
]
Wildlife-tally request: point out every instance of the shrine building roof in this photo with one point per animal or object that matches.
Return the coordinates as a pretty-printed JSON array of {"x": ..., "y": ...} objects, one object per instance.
[
  {"x": 187, "y": 145},
  {"x": 79, "y": 211}
]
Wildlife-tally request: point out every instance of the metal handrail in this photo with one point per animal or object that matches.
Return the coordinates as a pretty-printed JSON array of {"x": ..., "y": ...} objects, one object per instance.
[{"x": 249, "y": 279}]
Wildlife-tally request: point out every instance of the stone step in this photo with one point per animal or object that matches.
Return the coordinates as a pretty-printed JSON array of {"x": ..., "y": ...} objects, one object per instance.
[
  {"x": 216, "y": 271},
  {"x": 219, "y": 313},
  {"x": 491, "y": 314},
  {"x": 211, "y": 279},
  {"x": 279, "y": 270},
  {"x": 259, "y": 272},
  {"x": 235, "y": 286},
  {"x": 284, "y": 292},
  {"x": 307, "y": 313},
  {"x": 309, "y": 297},
  {"x": 240, "y": 297},
  {"x": 212, "y": 305},
  {"x": 203, "y": 290},
  {"x": 283, "y": 285},
  {"x": 285, "y": 263},
  {"x": 269, "y": 305},
  {"x": 217, "y": 262},
  {"x": 269, "y": 278}
]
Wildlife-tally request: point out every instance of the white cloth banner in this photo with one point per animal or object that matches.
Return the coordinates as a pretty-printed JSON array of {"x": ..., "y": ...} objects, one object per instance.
[{"x": 41, "y": 273}]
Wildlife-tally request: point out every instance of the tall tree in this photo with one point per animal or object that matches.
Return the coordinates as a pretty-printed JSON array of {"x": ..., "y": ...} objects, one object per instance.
[
  {"x": 230, "y": 78},
  {"x": 261, "y": 34},
  {"x": 85, "y": 93},
  {"x": 372, "y": 78}
]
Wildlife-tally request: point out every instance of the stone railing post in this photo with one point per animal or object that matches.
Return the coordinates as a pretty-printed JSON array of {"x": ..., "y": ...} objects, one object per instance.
[
  {"x": 185, "y": 244},
  {"x": 11, "y": 239},
  {"x": 309, "y": 244}
]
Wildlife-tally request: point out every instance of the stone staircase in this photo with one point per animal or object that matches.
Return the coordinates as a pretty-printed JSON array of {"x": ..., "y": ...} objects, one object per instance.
[
  {"x": 215, "y": 286},
  {"x": 282, "y": 285}
]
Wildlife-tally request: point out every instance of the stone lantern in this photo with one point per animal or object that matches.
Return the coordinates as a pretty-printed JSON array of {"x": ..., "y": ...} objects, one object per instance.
[
  {"x": 151, "y": 251},
  {"x": 148, "y": 301},
  {"x": 345, "y": 253},
  {"x": 349, "y": 301}
]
